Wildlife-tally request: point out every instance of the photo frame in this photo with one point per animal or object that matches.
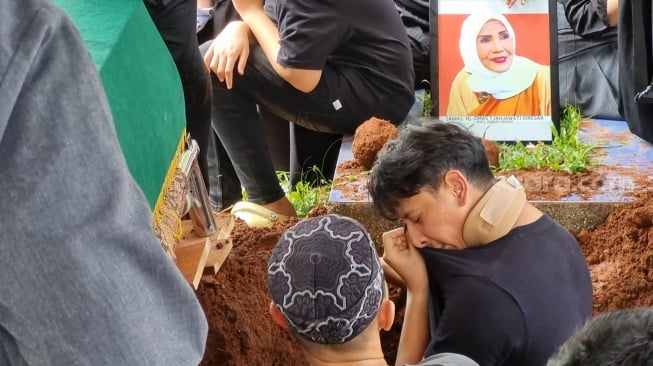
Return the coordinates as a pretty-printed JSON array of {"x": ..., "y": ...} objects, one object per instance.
[{"x": 494, "y": 69}]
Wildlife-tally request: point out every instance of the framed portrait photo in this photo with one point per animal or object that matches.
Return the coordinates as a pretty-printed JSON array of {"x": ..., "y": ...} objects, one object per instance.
[{"x": 497, "y": 67}]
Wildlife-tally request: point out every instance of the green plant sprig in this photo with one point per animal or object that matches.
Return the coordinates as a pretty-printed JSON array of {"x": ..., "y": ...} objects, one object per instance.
[
  {"x": 567, "y": 152},
  {"x": 305, "y": 195},
  {"x": 425, "y": 99}
]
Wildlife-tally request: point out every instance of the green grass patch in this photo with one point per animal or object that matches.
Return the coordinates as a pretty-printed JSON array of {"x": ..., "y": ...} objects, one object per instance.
[
  {"x": 306, "y": 195},
  {"x": 565, "y": 153},
  {"x": 425, "y": 99}
]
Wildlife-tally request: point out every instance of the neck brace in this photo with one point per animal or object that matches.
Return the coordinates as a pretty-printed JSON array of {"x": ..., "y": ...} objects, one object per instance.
[{"x": 495, "y": 214}]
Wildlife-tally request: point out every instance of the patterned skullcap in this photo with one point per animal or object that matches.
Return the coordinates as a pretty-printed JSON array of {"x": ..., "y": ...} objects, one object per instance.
[{"x": 325, "y": 277}]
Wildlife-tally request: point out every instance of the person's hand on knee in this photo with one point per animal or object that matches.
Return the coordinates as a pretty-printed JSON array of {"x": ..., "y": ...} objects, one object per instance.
[{"x": 231, "y": 46}]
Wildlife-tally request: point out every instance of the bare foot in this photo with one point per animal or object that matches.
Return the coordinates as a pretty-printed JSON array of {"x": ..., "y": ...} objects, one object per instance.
[{"x": 282, "y": 207}]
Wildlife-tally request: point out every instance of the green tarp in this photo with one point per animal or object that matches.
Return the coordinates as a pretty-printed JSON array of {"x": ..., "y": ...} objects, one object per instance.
[{"x": 141, "y": 82}]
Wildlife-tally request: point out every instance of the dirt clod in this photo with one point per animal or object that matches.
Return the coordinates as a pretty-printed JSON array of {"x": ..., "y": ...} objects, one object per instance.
[
  {"x": 492, "y": 151},
  {"x": 369, "y": 139}
]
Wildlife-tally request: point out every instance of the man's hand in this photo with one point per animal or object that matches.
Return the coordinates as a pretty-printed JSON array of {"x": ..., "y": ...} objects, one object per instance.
[
  {"x": 404, "y": 259},
  {"x": 510, "y": 3},
  {"x": 247, "y": 7},
  {"x": 229, "y": 47}
]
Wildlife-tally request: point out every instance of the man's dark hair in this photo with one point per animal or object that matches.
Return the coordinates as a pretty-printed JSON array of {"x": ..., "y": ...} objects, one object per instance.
[
  {"x": 619, "y": 338},
  {"x": 419, "y": 158}
]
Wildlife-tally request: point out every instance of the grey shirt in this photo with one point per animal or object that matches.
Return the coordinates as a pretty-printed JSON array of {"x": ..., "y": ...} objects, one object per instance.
[
  {"x": 83, "y": 280},
  {"x": 447, "y": 359}
]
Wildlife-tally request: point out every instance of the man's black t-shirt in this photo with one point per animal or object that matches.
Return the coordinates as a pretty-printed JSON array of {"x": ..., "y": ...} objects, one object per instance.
[
  {"x": 511, "y": 302},
  {"x": 362, "y": 48}
]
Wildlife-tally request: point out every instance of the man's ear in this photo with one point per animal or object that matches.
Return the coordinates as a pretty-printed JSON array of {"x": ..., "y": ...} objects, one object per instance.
[
  {"x": 277, "y": 316},
  {"x": 386, "y": 316},
  {"x": 456, "y": 183}
]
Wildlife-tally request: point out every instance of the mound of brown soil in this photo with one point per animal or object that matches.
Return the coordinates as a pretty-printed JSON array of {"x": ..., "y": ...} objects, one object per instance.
[
  {"x": 236, "y": 300},
  {"x": 620, "y": 255},
  {"x": 369, "y": 139},
  {"x": 492, "y": 152}
]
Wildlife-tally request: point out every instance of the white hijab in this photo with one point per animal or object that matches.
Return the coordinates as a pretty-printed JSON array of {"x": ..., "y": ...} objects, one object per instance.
[{"x": 516, "y": 79}]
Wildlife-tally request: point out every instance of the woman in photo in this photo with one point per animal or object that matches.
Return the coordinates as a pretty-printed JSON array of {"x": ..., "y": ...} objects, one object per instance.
[{"x": 495, "y": 81}]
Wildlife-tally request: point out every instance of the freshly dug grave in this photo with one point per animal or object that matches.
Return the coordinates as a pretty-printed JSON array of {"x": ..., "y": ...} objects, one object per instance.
[{"x": 236, "y": 300}]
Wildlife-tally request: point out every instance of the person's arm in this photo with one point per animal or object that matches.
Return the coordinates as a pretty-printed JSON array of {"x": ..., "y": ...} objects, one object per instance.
[
  {"x": 480, "y": 321},
  {"x": 267, "y": 35},
  {"x": 205, "y": 3},
  {"x": 391, "y": 275},
  {"x": 590, "y": 17},
  {"x": 229, "y": 49},
  {"x": 415, "y": 330},
  {"x": 408, "y": 264},
  {"x": 613, "y": 12}
]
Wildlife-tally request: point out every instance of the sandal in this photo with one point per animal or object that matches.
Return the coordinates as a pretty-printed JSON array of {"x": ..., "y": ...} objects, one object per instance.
[{"x": 256, "y": 215}]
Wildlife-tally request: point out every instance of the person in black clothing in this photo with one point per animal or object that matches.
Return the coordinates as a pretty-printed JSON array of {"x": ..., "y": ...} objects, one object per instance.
[
  {"x": 326, "y": 66},
  {"x": 636, "y": 66},
  {"x": 621, "y": 337},
  {"x": 489, "y": 276},
  {"x": 176, "y": 22},
  {"x": 587, "y": 56},
  {"x": 415, "y": 17}
]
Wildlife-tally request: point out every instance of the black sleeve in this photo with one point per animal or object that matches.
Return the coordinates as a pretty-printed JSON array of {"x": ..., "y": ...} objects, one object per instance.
[
  {"x": 309, "y": 32},
  {"x": 587, "y": 18},
  {"x": 480, "y": 321}
]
